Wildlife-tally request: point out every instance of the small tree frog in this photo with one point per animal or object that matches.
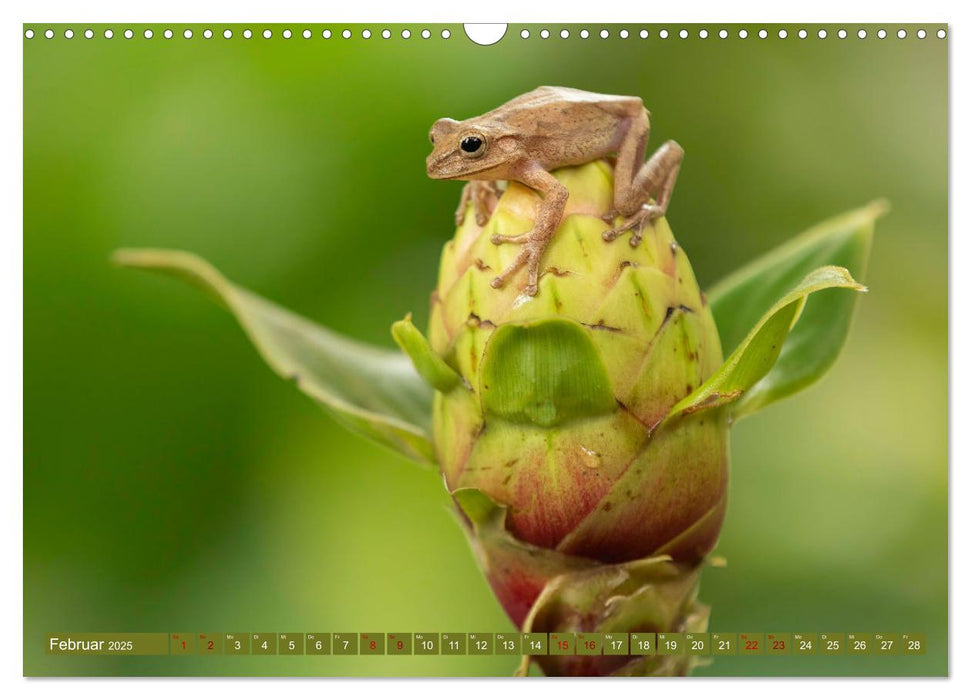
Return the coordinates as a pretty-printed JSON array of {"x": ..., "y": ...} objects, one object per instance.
[{"x": 545, "y": 129}]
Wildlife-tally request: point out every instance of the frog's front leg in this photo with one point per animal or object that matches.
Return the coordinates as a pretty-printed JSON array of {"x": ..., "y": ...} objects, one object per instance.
[
  {"x": 654, "y": 180},
  {"x": 484, "y": 195},
  {"x": 535, "y": 241}
]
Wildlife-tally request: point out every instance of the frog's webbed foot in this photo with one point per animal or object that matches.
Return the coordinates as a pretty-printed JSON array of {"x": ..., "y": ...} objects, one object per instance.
[
  {"x": 655, "y": 179},
  {"x": 635, "y": 222},
  {"x": 484, "y": 195},
  {"x": 533, "y": 244}
]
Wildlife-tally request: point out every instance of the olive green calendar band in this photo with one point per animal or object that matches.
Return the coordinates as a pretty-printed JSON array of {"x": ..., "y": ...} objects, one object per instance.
[{"x": 485, "y": 644}]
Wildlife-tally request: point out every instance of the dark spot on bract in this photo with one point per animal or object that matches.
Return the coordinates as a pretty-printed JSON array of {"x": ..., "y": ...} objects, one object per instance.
[
  {"x": 601, "y": 326},
  {"x": 607, "y": 506},
  {"x": 474, "y": 320}
]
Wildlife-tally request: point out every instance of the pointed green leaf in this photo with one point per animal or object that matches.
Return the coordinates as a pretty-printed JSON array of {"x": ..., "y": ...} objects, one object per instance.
[
  {"x": 430, "y": 366},
  {"x": 372, "y": 391},
  {"x": 741, "y": 299},
  {"x": 544, "y": 373},
  {"x": 745, "y": 376}
]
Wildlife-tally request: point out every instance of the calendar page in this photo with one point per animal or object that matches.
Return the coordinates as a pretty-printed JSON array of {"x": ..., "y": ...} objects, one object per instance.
[{"x": 443, "y": 350}]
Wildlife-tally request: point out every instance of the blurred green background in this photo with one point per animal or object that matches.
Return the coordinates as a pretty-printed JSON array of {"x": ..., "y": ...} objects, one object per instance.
[{"x": 173, "y": 483}]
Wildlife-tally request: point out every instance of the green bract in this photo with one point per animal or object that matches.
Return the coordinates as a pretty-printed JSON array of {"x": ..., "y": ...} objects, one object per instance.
[
  {"x": 583, "y": 432},
  {"x": 563, "y": 392}
]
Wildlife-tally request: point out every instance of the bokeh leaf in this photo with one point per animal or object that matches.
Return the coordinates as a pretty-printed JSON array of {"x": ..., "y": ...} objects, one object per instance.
[
  {"x": 740, "y": 300},
  {"x": 742, "y": 379},
  {"x": 370, "y": 390}
]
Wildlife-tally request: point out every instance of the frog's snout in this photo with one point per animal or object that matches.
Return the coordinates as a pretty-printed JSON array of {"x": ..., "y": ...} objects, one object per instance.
[{"x": 433, "y": 165}]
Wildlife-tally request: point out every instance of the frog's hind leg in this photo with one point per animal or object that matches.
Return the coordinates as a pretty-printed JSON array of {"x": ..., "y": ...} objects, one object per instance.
[
  {"x": 655, "y": 180},
  {"x": 630, "y": 160},
  {"x": 635, "y": 223}
]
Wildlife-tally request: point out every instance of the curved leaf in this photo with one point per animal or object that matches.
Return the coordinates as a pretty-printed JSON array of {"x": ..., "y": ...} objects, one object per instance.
[
  {"x": 372, "y": 391},
  {"x": 739, "y": 300},
  {"x": 745, "y": 376}
]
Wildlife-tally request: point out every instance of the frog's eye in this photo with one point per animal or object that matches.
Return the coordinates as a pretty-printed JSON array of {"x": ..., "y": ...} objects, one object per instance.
[
  {"x": 431, "y": 137},
  {"x": 473, "y": 146}
]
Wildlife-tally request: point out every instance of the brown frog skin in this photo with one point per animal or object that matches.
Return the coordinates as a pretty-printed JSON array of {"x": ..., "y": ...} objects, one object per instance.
[{"x": 546, "y": 129}]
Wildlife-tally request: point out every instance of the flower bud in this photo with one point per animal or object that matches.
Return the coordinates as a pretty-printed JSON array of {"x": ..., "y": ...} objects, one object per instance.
[{"x": 560, "y": 417}]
